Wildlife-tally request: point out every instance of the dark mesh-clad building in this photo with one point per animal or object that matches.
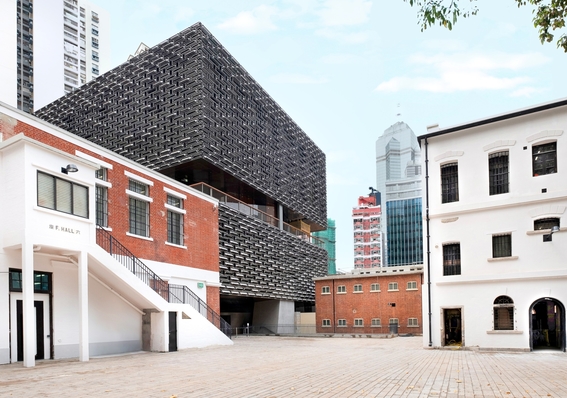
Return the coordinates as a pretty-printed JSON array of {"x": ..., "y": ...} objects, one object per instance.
[{"x": 188, "y": 109}]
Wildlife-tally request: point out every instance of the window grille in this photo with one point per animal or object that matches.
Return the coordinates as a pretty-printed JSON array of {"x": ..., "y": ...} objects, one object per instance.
[
  {"x": 544, "y": 159},
  {"x": 358, "y": 288},
  {"x": 175, "y": 220},
  {"x": 449, "y": 183},
  {"x": 375, "y": 287},
  {"x": 503, "y": 313},
  {"x": 376, "y": 322},
  {"x": 393, "y": 286},
  {"x": 498, "y": 172},
  {"x": 358, "y": 322},
  {"x": 325, "y": 290},
  {"x": 501, "y": 245},
  {"x": 452, "y": 259},
  {"x": 139, "y": 217},
  {"x": 546, "y": 223},
  {"x": 412, "y": 285},
  {"x": 101, "y": 195},
  {"x": 341, "y": 289},
  {"x": 326, "y": 323},
  {"x": 412, "y": 322},
  {"x": 341, "y": 322}
]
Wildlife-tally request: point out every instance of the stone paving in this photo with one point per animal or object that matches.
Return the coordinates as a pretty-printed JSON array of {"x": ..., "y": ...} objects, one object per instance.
[{"x": 277, "y": 367}]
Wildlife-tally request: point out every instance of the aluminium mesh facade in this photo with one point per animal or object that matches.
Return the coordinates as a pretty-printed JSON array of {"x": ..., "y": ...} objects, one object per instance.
[
  {"x": 188, "y": 99},
  {"x": 260, "y": 261}
]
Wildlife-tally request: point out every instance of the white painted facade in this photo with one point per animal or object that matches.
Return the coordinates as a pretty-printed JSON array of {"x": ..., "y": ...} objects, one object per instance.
[
  {"x": 95, "y": 305},
  {"x": 534, "y": 275}
]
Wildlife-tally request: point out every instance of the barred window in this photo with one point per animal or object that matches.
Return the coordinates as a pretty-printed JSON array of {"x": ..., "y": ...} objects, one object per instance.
[
  {"x": 452, "y": 259},
  {"x": 375, "y": 287},
  {"x": 101, "y": 195},
  {"x": 450, "y": 183},
  {"x": 498, "y": 172},
  {"x": 139, "y": 217},
  {"x": 326, "y": 323},
  {"x": 341, "y": 289},
  {"x": 325, "y": 290},
  {"x": 174, "y": 220},
  {"x": 394, "y": 321},
  {"x": 544, "y": 159},
  {"x": 501, "y": 245},
  {"x": 546, "y": 223},
  {"x": 412, "y": 285},
  {"x": 358, "y": 322},
  {"x": 393, "y": 286},
  {"x": 412, "y": 322},
  {"x": 341, "y": 322},
  {"x": 358, "y": 288},
  {"x": 503, "y": 313},
  {"x": 139, "y": 187},
  {"x": 376, "y": 322}
]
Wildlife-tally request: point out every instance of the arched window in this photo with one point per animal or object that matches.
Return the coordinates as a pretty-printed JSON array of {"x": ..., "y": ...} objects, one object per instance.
[{"x": 503, "y": 313}]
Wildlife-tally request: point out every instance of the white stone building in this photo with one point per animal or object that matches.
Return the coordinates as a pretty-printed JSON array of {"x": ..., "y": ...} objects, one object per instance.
[{"x": 495, "y": 212}]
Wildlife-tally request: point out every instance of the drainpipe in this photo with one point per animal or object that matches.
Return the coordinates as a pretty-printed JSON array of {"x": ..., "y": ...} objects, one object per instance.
[
  {"x": 427, "y": 237},
  {"x": 334, "y": 315}
]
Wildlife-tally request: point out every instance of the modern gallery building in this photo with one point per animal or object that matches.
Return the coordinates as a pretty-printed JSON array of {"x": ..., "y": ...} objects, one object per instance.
[{"x": 187, "y": 109}]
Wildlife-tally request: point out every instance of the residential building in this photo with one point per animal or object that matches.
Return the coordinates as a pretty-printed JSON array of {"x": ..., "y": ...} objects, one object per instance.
[
  {"x": 329, "y": 240},
  {"x": 49, "y": 48},
  {"x": 496, "y": 247},
  {"x": 98, "y": 254},
  {"x": 366, "y": 219},
  {"x": 188, "y": 109},
  {"x": 370, "y": 301},
  {"x": 398, "y": 178}
]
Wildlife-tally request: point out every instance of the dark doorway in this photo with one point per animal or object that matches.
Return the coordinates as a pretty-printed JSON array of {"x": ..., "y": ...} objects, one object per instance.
[
  {"x": 547, "y": 324},
  {"x": 40, "y": 353},
  {"x": 452, "y": 321},
  {"x": 172, "y": 331}
]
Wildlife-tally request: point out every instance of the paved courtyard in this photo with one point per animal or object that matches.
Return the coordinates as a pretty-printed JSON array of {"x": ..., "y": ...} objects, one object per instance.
[{"x": 271, "y": 366}]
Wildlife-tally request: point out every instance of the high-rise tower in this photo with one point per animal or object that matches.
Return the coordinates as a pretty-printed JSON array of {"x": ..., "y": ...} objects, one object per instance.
[
  {"x": 398, "y": 171},
  {"x": 49, "y": 48}
]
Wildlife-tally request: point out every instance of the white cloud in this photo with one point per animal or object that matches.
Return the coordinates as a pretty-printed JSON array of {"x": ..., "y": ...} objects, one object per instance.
[
  {"x": 465, "y": 72},
  {"x": 296, "y": 78},
  {"x": 526, "y": 92},
  {"x": 340, "y": 59},
  {"x": 250, "y": 22},
  {"x": 347, "y": 38},
  {"x": 341, "y": 12}
]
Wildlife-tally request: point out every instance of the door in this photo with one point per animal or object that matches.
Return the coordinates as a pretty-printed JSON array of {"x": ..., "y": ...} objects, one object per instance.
[
  {"x": 547, "y": 324},
  {"x": 173, "y": 331},
  {"x": 42, "y": 347},
  {"x": 452, "y": 326},
  {"x": 41, "y": 335}
]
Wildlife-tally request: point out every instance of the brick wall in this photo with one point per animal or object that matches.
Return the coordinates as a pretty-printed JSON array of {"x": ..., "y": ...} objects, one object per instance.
[
  {"x": 200, "y": 221},
  {"x": 366, "y": 305}
]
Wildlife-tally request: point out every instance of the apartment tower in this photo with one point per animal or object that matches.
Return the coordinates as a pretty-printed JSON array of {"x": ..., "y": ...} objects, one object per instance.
[{"x": 49, "y": 48}]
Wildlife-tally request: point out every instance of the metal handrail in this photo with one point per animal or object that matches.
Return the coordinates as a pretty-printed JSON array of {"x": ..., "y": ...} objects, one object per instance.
[
  {"x": 182, "y": 294},
  {"x": 249, "y": 210},
  {"x": 171, "y": 293}
]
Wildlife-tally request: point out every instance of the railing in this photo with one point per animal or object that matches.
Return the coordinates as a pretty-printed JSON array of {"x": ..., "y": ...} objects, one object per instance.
[
  {"x": 132, "y": 263},
  {"x": 250, "y": 210},
  {"x": 171, "y": 293},
  {"x": 182, "y": 294}
]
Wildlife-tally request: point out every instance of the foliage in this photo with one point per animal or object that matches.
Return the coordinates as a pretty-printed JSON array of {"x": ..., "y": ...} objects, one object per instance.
[{"x": 549, "y": 15}]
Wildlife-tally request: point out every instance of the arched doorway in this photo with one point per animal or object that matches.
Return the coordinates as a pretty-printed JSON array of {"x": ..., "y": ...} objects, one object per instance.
[{"x": 547, "y": 324}]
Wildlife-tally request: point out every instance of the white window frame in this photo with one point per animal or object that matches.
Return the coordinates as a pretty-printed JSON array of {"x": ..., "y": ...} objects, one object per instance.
[
  {"x": 341, "y": 289},
  {"x": 326, "y": 323},
  {"x": 358, "y": 322},
  {"x": 413, "y": 323},
  {"x": 326, "y": 290},
  {"x": 412, "y": 285},
  {"x": 376, "y": 323},
  {"x": 341, "y": 323},
  {"x": 357, "y": 288},
  {"x": 372, "y": 287},
  {"x": 393, "y": 287}
]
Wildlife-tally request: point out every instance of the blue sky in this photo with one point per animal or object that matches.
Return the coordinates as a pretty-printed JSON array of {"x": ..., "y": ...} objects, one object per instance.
[{"x": 345, "y": 70}]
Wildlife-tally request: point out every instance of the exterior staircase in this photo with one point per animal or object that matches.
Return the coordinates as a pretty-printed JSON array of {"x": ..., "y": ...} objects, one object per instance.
[{"x": 177, "y": 294}]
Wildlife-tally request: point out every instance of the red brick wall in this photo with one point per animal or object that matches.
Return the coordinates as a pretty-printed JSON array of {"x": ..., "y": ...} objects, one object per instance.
[
  {"x": 368, "y": 305},
  {"x": 200, "y": 222}
]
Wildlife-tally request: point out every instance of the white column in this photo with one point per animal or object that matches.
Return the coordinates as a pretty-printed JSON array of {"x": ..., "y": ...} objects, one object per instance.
[
  {"x": 83, "y": 306},
  {"x": 280, "y": 215},
  {"x": 28, "y": 308}
]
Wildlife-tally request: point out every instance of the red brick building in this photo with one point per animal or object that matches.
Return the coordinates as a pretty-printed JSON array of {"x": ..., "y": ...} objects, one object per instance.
[{"x": 370, "y": 301}]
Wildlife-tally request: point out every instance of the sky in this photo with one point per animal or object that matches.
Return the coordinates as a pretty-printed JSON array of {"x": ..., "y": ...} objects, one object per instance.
[{"x": 346, "y": 70}]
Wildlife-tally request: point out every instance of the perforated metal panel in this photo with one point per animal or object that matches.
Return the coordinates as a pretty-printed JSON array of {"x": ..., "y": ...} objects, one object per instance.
[{"x": 186, "y": 99}]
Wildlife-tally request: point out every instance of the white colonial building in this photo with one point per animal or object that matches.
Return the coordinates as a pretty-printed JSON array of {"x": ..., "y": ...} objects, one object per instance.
[{"x": 495, "y": 219}]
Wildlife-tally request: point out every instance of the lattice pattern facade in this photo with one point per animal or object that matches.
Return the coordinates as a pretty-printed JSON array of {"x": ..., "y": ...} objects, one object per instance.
[
  {"x": 258, "y": 260},
  {"x": 188, "y": 99}
]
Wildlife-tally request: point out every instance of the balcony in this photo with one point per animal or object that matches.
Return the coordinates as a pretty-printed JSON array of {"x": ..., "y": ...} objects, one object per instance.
[{"x": 251, "y": 211}]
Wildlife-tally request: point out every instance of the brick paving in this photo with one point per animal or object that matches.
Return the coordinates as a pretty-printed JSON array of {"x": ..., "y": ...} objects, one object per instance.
[{"x": 277, "y": 367}]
